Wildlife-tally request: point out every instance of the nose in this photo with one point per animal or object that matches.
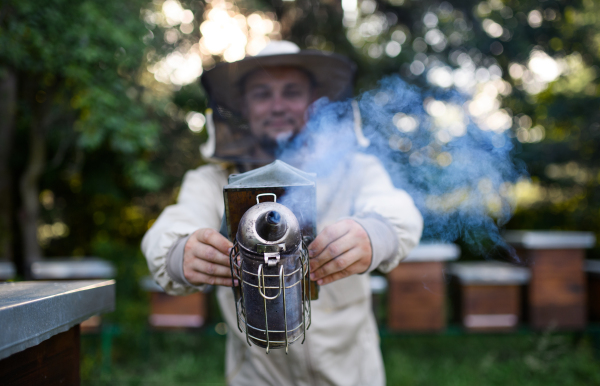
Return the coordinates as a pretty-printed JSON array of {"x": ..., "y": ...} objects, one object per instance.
[{"x": 278, "y": 106}]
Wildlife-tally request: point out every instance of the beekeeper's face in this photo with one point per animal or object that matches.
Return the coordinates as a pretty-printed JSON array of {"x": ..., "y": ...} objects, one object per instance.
[{"x": 276, "y": 101}]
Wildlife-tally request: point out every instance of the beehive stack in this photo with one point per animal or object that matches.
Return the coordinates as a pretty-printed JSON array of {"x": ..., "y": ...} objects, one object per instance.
[
  {"x": 84, "y": 268},
  {"x": 556, "y": 293},
  {"x": 489, "y": 296},
  {"x": 174, "y": 312},
  {"x": 40, "y": 340},
  {"x": 417, "y": 289},
  {"x": 592, "y": 267},
  {"x": 7, "y": 270}
]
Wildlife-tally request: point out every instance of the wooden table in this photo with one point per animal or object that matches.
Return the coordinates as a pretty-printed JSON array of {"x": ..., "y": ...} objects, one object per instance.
[{"x": 39, "y": 342}]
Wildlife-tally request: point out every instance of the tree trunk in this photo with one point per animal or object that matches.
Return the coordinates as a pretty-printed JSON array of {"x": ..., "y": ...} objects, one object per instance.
[
  {"x": 8, "y": 98},
  {"x": 29, "y": 183}
]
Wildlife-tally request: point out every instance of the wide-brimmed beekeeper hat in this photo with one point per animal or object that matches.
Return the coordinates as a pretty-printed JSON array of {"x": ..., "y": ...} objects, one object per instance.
[
  {"x": 333, "y": 74},
  {"x": 229, "y": 137}
]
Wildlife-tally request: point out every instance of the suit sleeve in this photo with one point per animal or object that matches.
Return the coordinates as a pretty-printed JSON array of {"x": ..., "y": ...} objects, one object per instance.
[
  {"x": 388, "y": 214},
  {"x": 199, "y": 205}
]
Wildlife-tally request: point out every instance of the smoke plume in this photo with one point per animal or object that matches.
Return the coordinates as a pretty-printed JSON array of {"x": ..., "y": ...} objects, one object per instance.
[{"x": 458, "y": 174}]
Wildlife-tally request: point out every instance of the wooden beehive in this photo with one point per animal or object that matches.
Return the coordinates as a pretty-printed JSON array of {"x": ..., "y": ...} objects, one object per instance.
[
  {"x": 7, "y": 270},
  {"x": 592, "y": 268},
  {"x": 40, "y": 339},
  {"x": 489, "y": 294},
  {"x": 556, "y": 293},
  {"x": 174, "y": 312},
  {"x": 417, "y": 291},
  {"x": 83, "y": 268}
]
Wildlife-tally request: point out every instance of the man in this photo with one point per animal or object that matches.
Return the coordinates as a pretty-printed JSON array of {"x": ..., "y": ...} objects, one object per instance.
[{"x": 363, "y": 222}]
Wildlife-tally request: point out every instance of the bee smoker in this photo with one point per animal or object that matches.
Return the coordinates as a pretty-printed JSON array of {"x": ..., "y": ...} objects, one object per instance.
[
  {"x": 270, "y": 261},
  {"x": 269, "y": 258}
]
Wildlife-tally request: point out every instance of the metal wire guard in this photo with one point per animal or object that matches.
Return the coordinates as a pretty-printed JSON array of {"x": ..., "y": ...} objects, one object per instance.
[{"x": 237, "y": 267}]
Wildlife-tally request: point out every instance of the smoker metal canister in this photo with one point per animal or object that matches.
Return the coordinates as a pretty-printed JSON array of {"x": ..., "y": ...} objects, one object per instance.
[
  {"x": 271, "y": 265},
  {"x": 294, "y": 188}
]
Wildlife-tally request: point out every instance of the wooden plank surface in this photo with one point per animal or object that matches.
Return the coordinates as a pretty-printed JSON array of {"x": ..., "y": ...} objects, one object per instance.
[
  {"x": 31, "y": 312},
  {"x": 416, "y": 297},
  {"x": 594, "y": 297},
  {"x": 490, "y": 299},
  {"x": 496, "y": 307},
  {"x": 558, "y": 317},
  {"x": 54, "y": 361},
  {"x": 168, "y": 312},
  {"x": 193, "y": 304},
  {"x": 556, "y": 292}
]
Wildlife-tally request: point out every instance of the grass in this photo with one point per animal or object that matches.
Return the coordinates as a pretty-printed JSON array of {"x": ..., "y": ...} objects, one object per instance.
[
  {"x": 534, "y": 359},
  {"x": 197, "y": 358},
  {"x": 165, "y": 358}
]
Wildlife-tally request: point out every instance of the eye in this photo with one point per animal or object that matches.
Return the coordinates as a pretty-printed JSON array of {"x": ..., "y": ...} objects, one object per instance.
[
  {"x": 260, "y": 94},
  {"x": 293, "y": 93}
]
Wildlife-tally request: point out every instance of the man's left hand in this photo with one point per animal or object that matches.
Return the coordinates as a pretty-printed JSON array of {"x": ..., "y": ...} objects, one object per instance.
[{"x": 340, "y": 250}]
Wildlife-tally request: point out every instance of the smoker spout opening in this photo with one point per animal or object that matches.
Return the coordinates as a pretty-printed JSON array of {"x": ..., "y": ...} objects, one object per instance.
[{"x": 271, "y": 226}]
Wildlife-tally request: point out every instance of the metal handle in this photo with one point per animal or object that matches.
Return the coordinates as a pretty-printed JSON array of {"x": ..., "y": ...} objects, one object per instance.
[
  {"x": 266, "y": 194},
  {"x": 261, "y": 277}
]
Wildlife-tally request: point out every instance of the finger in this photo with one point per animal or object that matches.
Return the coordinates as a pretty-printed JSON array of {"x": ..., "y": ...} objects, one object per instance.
[
  {"x": 214, "y": 238},
  {"x": 210, "y": 254},
  {"x": 338, "y": 264},
  {"x": 333, "y": 250},
  {"x": 209, "y": 268},
  {"x": 198, "y": 278},
  {"x": 351, "y": 270},
  {"x": 327, "y": 235}
]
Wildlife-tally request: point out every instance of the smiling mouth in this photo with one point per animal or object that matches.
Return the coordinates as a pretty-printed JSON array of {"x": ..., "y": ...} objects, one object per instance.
[
  {"x": 279, "y": 123},
  {"x": 280, "y": 126}
]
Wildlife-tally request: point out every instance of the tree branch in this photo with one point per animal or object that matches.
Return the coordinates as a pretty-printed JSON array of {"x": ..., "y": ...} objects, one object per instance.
[
  {"x": 41, "y": 120},
  {"x": 8, "y": 97}
]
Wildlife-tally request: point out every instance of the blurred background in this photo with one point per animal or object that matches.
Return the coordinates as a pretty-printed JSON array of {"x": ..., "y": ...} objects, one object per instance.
[{"x": 101, "y": 114}]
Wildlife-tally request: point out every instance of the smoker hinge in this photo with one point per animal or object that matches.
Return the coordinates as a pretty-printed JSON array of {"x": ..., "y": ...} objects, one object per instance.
[
  {"x": 271, "y": 253},
  {"x": 271, "y": 258}
]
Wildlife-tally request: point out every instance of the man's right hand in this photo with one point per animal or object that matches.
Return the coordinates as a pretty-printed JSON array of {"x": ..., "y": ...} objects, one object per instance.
[{"x": 206, "y": 258}]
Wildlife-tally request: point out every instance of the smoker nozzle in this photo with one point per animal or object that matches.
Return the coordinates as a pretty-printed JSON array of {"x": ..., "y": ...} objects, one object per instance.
[
  {"x": 273, "y": 218},
  {"x": 271, "y": 226}
]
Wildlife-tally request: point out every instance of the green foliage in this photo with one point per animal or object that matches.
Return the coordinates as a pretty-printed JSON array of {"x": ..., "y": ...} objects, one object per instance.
[
  {"x": 564, "y": 165},
  {"x": 118, "y": 144},
  {"x": 118, "y": 147},
  {"x": 565, "y": 162},
  {"x": 114, "y": 152},
  {"x": 84, "y": 59}
]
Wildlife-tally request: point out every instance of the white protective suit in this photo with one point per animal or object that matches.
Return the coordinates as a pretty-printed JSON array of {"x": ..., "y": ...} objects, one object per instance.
[{"x": 342, "y": 344}]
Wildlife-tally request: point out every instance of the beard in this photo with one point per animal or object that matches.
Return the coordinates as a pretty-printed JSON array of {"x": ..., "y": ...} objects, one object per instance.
[{"x": 275, "y": 146}]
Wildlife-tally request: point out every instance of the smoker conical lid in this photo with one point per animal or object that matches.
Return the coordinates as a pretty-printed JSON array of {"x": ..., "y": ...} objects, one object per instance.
[
  {"x": 251, "y": 230},
  {"x": 277, "y": 173}
]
